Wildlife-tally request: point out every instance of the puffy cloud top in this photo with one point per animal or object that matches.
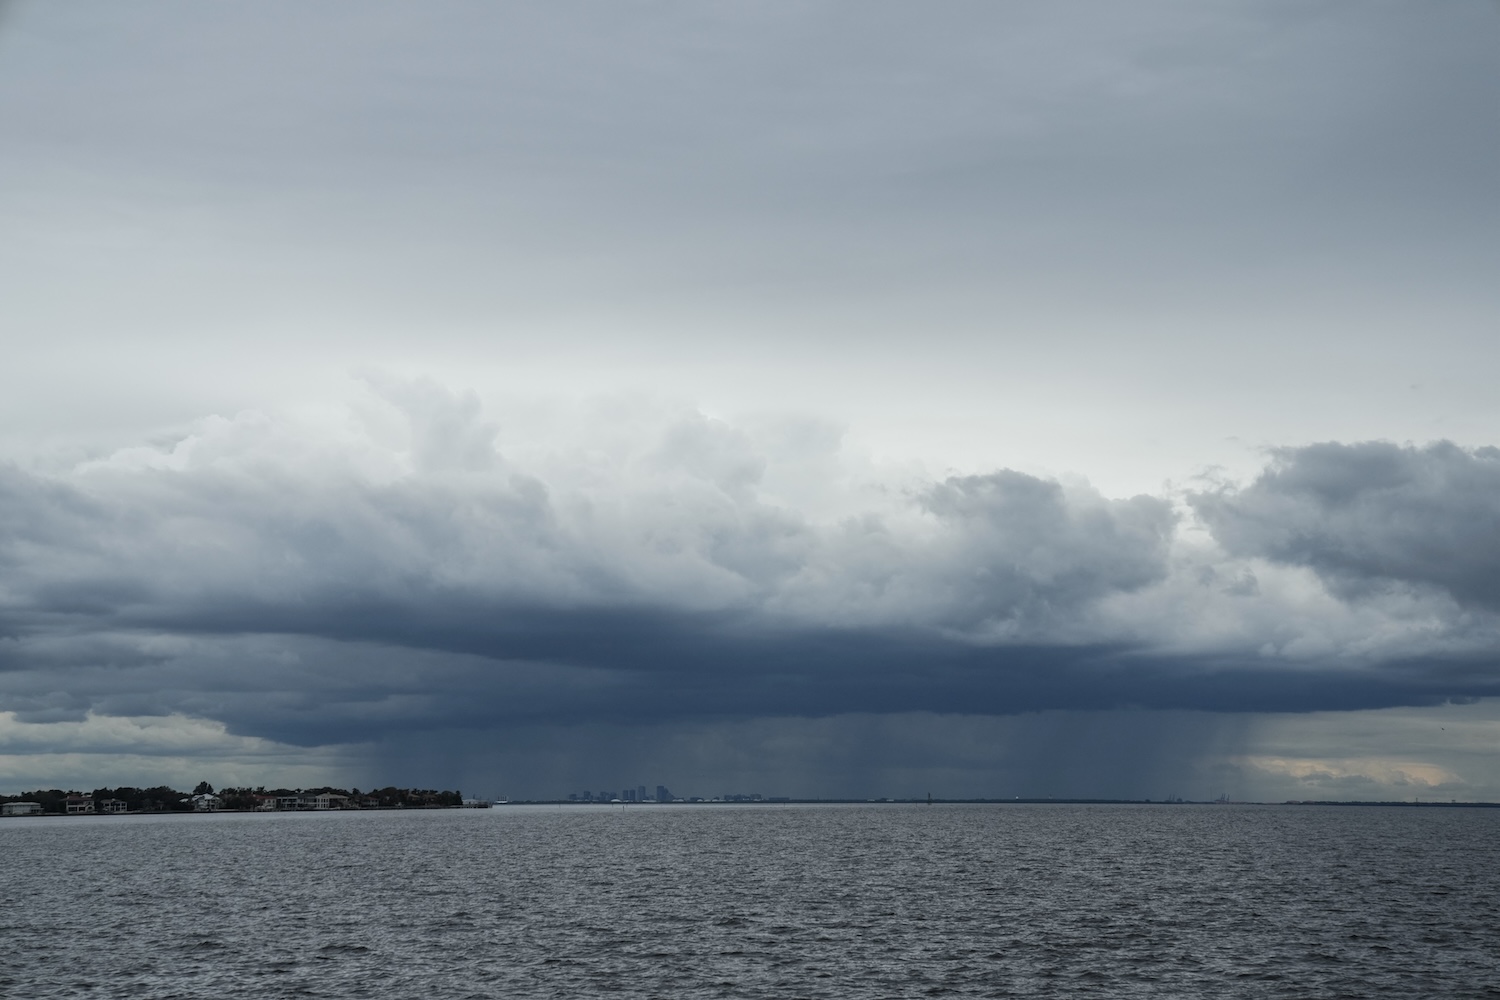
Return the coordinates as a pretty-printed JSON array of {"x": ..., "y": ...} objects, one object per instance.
[
  {"x": 412, "y": 565},
  {"x": 1372, "y": 515},
  {"x": 253, "y": 524}
]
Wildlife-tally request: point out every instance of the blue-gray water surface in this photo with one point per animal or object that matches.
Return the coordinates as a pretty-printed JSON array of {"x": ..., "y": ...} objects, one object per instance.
[{"x": 757, "y": 901}]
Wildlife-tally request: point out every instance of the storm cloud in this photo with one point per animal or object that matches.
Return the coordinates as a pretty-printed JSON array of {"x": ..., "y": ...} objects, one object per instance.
[
  {"x": 319, "y": 588},
  {"x": 665, "y": 567},
  {"x": 1373, "y": 516}
]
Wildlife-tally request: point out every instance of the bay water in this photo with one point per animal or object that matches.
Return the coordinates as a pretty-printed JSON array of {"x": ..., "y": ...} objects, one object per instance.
[{"x": 886, "y": 900}]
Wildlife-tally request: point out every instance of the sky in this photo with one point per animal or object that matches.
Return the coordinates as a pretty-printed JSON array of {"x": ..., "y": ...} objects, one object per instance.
[{"x": 821, "y": 399}]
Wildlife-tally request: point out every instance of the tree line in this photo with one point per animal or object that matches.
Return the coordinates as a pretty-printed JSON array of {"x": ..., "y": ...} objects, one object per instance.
[{"x": 161, "y": 798}]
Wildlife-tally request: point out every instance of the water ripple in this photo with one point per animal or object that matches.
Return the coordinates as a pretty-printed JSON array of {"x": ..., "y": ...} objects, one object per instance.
[{"x": 771, "y": 901}]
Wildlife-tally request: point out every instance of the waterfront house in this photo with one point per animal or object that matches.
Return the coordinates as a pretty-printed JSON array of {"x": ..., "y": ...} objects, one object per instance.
[{"x": 21, "y": 809}]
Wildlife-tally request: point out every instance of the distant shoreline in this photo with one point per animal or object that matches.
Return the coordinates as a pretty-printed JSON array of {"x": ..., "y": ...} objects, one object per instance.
[
  {"x": 780, "y": 801},
  {"x": 1013, "y": 801}
]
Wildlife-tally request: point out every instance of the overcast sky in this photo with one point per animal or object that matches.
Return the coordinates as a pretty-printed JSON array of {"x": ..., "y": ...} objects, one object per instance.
[{"x": 828, "y": 398}]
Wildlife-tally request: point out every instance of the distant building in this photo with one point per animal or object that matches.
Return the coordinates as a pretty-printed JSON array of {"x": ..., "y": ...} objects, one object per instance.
[
  {"x": 662, "y": 794},
  {"x": 628, "y": 795},
  {"x": 640, "y": 793},
  {"x": 206, "y": 802},
  {"x": 20, "y": 809},
  {"x": 80, "y": 805},
  {"x": 305, "y": 802},
  {"x": 114, "y": 807}
]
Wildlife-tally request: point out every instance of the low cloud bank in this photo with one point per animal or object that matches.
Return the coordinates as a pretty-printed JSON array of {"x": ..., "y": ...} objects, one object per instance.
[{"x": 409, "y": 569}]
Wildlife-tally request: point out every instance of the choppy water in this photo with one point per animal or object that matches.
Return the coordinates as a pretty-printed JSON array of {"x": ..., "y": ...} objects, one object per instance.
[{"x": 765, "y": 901}]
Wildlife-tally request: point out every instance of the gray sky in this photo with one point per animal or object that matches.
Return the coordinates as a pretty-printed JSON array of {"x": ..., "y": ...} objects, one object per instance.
[{"x": 831, "y": 398}]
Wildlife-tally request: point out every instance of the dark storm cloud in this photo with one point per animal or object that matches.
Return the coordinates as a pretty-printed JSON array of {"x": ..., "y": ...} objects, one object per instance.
[
  {"x": 1367, "y": 517},
  {"x": 289, "y": 594},
  {"x": 253, "y": 575},
  {"x": 1027, "y": 545}
]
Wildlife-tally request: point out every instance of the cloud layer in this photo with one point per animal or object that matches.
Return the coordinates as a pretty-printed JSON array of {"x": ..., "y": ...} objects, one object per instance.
[{"x": 401, "y": 570}]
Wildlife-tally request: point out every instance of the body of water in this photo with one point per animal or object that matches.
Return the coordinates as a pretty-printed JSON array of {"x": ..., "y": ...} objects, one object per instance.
[{"x": 757, "y": 901}]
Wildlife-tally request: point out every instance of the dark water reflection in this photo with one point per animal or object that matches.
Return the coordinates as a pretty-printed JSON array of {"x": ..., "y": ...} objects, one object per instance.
[{"x": 763, "y": 901}]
